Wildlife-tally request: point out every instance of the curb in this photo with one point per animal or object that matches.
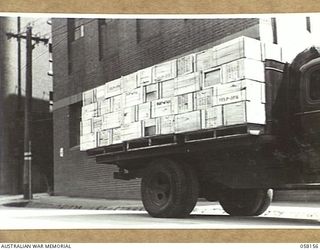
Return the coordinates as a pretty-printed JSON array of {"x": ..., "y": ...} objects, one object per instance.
[{"x": 34, "y": 204}]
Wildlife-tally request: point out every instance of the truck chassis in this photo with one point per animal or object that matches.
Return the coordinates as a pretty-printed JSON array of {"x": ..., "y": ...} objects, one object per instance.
[{"x": 238, "y": 166}]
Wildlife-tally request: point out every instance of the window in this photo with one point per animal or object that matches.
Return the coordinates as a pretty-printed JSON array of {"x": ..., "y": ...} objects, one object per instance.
[
  {"x": 308, "y": 24},
  {"x": 74, "y": 124},
  {"x": 75, "y": 30},
  {"x": 314, "y": 85},
  {"x": 101, "y": 29},
  {"x": 78, "y": 32}
]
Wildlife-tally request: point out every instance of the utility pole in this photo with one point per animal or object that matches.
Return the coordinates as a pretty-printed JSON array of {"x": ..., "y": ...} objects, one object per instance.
[
  {"x": 17, "y": 183},
  {"x": 27, "y": 177},
  {"x": 27, "y": 180}
]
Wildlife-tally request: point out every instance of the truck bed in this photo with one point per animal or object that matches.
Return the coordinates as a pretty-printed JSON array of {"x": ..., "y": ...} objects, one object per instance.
[{"x": 164, "y": 145}]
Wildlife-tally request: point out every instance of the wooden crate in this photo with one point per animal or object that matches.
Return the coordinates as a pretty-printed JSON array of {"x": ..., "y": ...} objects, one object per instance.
[
  {"x": 144, "y": 111},
  {"x": 113, "y": 88},
  {"x": 204, "y": 99},
  {"x": 129, "y": 82},
  {"x": 132, "y": 131},
  {"x": 99, "y": 93},
  {"x": 87, "y": 97},
  {"x": 97, "y": 123},
  {"x": 104, "y": 138},
  {"x": 129, "y": 115},
  {"x": 205, "y": 60},
  {"x": 163, "y": 107},
  {"x": 150, "y": 127},
  {"x": 184, "y": 103},
  {"x": 212, "y": 77},
  {"x": 245, "y": 90},
  {"x": 243, "y": 69},
  {"x": 88, "y": 141},
  {"x": 187, "y": 83},
  {"x": 244, "y": 112},
  {"x": 116, "y": 135},
  {"x": 86, "y": 127},
  {"x": 165, "y": 124},
  {"x": 112, "y": 120},
  {"x": 151, "y": 92},
  {"x": 166, "y": 88},
  {"x": 242, "y": 47},
  {"x": 133, "y": 97},
  {"x": 212, "y": 117},
  {"x": 188, "y": 121},
  {"x": 89, "y": 111},
  {"x": 145, "y": 76},
  {"x": 185, "y": 65},
  {"x": 164, "y": 71}
]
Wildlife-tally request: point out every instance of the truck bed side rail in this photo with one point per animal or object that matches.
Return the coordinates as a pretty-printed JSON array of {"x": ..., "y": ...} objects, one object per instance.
[{"x": 203, "y": 140}]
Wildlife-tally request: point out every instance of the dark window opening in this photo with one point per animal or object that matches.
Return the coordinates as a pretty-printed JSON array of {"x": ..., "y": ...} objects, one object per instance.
[
  {"x": 274, "y": 30},
  {"x": 314, "y": 86},
  {"x": 50, "y": 95},
  {"x": 71, "y": 27},
  {"x": 70, "y": 31},
  {"x": 74, "y": 124},
  {"x": 308, "y": 24},
  {"x": 50, "y": 47},
  {"x": 101, "y": 29}
]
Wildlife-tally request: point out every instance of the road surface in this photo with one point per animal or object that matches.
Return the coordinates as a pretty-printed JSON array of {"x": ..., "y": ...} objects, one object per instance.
[{"x": 281, "y": 215}]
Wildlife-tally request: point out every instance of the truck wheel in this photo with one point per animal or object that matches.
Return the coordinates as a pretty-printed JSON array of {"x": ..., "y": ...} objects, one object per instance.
[
  {"x": 169, "y": 189},
  {"x": 245, "y": 202}
]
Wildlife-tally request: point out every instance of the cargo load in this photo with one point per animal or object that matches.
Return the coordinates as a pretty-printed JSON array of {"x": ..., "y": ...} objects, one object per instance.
[{"x": 218, "y": 87}]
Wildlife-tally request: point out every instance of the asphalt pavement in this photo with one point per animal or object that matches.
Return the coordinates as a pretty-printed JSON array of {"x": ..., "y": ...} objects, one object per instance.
[{"x": 303, "y": 210}]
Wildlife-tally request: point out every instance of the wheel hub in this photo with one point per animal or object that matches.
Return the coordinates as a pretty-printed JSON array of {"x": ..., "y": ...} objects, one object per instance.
[{"x": 159, "y": 189}]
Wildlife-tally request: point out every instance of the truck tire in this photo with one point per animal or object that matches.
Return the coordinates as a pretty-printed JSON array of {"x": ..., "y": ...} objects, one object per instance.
[
  {"x": 169, "y": 189},
  {"x": 245, "y": 202}
]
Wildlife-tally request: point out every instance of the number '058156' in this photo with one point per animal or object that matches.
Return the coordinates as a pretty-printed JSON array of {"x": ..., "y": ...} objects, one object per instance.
[{"x": 309, "y": 246}]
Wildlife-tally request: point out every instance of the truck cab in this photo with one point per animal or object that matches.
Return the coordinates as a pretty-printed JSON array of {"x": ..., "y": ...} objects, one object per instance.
[{"x": 308, "y": 118}]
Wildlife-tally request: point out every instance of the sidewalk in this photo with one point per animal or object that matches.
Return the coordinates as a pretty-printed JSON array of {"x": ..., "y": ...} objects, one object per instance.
[
  {"x": 63, "y": 202},
  {"x": 46, "y": 201}
]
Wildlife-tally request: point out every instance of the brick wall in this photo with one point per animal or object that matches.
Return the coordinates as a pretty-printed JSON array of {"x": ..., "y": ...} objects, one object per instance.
[{"x": 125, "y": 51}]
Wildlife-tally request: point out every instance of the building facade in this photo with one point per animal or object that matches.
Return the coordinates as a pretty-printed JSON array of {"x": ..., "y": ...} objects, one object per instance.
[
  {"x": 12, "y": 97},
  {"x": 90, "y": 52}
]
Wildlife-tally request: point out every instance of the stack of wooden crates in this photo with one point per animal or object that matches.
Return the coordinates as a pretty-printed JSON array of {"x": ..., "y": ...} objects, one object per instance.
[{"x": 217, "y": 87}]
